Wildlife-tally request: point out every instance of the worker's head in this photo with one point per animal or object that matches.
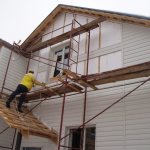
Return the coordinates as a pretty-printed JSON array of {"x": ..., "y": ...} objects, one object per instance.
[{"x": 31, "y": 71}]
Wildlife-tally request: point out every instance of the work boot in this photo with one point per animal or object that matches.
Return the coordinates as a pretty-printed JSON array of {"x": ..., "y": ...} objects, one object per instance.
[
  {"x": 20, "y": 110},
  {"x": 8, "y": 104}
]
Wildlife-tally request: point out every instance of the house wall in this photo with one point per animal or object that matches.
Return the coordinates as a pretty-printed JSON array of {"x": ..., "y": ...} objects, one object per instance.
[
  {"x": 126, "y": 126},
  {"x": 6, "y": 138},
  {"x": 16, "y": 70}
]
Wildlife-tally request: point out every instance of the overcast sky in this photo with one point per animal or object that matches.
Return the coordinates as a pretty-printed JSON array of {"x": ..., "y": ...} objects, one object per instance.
[{"x": 18, "y": 18}]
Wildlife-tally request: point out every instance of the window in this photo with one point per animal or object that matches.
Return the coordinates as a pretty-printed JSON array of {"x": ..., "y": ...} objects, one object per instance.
[
  {"x": 61, "y": 60},
  {"x": 89, "y": 142},
  {"x": 111, "y": 33},
  {"x": 111, "y": 61},
  {"x": 31, "y": 148}
]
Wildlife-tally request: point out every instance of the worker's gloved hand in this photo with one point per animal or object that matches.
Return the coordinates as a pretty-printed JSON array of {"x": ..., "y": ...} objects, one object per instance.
[{"x": 43, "y": 84}]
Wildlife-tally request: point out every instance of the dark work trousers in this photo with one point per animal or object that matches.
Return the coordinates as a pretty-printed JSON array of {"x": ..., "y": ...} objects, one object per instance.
[{"x": 20, "y": 89}]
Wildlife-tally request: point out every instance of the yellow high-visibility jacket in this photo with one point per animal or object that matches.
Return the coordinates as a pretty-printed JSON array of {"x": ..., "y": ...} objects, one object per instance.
[{"x": 29, "y": 81}]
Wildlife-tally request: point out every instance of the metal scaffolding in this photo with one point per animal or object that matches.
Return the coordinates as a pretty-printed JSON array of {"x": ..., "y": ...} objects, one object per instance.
[{"x": 65, "y": 82}]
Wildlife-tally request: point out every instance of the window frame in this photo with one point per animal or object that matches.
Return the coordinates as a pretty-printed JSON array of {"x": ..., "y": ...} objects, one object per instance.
[
  {"x": 69, "y": 140},
  {"x": 62, "y": 59}
]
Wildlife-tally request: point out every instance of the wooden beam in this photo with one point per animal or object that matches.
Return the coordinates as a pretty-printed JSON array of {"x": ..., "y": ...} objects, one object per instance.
[
  {"x": 126, "y": 73},
  {"x": 62, "y": 79},
  {"x": 28, "y": 124},
  {"x": 46, "y": 93},
  {"x": 79, "y": 79},
  {"x": 65, "y": 36}
]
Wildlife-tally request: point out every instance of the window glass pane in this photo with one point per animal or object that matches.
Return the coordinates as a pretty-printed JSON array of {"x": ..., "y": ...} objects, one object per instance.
[
  {"x": 62, "y": 60},
  {"x": 75, "y": 140},
  {"x": 111, "y": 61},
  {"x": 90, "y": 139},
  {"x": 110, "y": 33}
]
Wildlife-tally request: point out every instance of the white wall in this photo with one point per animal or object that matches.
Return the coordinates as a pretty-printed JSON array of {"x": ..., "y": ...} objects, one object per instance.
[
  {"x": 16, "y": 70},
  {"x": 34, "y": 141},
  {"x": 6, "y": 138}
]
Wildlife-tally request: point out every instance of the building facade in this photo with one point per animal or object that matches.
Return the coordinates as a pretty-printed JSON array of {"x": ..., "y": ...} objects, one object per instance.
[{"x": 114, "y": 44}]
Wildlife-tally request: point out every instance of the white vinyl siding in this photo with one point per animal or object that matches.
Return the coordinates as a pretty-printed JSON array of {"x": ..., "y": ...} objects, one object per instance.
[
  {"x": 136, "y": 44},
  {"x": 16, "y": 70},
  {"x": 6, "y": 138}
]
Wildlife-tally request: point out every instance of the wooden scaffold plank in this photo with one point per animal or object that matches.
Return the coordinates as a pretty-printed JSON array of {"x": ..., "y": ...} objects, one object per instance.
[{"x": 27, "y": 124}]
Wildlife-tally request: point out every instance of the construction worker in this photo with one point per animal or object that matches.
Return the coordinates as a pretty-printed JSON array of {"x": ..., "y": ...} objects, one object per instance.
[{"x": 28, "y": 81}]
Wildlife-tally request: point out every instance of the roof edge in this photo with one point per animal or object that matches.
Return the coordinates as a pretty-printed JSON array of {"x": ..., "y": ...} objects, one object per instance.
[{"x": 5, "y": 43}]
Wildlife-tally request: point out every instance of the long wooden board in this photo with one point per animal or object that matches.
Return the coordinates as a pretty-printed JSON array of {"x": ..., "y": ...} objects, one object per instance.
[
  {"x": 27, "y": 124},
  {"x": 65, "y": 36}
]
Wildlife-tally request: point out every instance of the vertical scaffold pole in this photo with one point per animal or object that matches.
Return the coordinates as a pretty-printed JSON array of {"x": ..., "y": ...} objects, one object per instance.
[
  {"x": 64, "y": 98},
  {"x": 85, "y": 95}
]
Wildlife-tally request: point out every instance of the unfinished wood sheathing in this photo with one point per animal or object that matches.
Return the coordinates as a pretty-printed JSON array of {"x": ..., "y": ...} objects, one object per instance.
[{"x": 27, "y": 124}]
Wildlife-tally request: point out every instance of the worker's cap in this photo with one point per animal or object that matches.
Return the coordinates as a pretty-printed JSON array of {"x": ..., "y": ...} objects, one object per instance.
[{"x": 31, "y": 71}]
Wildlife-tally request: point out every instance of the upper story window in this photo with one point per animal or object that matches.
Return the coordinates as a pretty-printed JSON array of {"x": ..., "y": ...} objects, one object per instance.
[{"x": 61, "y": 58}]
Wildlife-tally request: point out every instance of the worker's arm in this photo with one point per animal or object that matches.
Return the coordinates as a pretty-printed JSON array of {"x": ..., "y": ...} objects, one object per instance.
[
  {"x": 39, "y": 83},
  {"x": 36, "y": 82}
]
